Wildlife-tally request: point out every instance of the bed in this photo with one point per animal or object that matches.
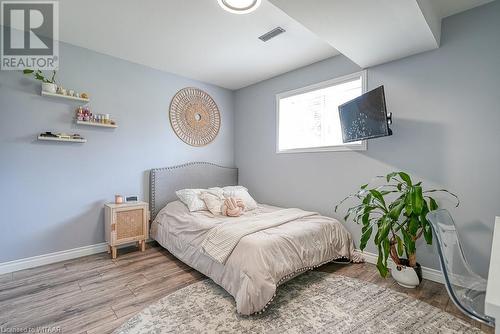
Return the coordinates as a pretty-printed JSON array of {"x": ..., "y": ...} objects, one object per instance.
[{"x": 251, "y": 255}]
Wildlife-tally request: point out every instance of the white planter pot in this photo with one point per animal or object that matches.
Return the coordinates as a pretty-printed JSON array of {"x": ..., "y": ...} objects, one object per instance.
[
  {"x": 49, "y": 87},
  {"x": 407, "y": 276}
]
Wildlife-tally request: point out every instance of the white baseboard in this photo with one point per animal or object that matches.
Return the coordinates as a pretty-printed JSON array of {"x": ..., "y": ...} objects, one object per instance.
[
  {"x": 40, "y": 260},
  {"x": 427, "y": 273}
]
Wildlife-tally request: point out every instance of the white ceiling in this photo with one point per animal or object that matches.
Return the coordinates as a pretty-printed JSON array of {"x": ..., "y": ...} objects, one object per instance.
[
  {"x": 193, "y": 38},
  {"x": 446, "y": 8},
  {"x": 375, "y": 32},
  {"x": 199, "y": 40},
  {"x": 366, "y": 31}
]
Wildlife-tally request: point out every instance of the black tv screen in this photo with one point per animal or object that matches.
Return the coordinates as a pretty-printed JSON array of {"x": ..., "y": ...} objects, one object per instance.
[{"x": 364, "y": 117}]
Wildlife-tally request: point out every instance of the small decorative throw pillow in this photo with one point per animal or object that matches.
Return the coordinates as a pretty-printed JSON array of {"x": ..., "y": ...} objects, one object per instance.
[
  {"x": 241, "y": 193},
  {"x": 233, "y": 207},
  {"x": 213, "y": 200},
  {"x": 191, "y": 197}
]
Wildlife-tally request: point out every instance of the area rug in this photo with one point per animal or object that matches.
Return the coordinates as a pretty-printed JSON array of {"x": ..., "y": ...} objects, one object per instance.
[{"x": 314, "y": 302}]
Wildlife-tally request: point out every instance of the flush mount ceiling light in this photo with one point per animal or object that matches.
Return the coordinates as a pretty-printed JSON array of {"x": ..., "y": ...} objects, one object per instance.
[{"x": 239, "y": 6}]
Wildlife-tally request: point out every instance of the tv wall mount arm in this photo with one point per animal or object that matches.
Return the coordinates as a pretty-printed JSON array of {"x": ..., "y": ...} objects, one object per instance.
[{"x": 389, "y": 118}]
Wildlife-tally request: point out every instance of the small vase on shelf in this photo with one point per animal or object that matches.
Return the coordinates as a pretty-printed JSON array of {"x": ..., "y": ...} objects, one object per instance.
[{"x": 49, "y": 87}]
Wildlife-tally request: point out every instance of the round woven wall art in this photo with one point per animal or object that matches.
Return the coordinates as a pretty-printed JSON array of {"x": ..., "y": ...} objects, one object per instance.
[{"x": 194, "y": 116}]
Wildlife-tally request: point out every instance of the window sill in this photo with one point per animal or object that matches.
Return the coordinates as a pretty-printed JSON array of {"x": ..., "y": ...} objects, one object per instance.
[{"x": 340, "y": 148}]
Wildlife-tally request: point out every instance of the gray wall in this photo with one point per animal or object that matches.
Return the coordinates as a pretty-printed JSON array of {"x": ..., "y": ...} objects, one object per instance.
[
  {"x": 53, "y": 194},
  {"x": 446, "y": 105},
  {"x": 446, "y": 132}
]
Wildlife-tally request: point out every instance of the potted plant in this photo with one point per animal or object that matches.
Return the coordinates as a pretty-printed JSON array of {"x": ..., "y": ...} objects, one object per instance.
[
  {"x": 396, "y": 211},
  {"x": 48, "y": 85}
]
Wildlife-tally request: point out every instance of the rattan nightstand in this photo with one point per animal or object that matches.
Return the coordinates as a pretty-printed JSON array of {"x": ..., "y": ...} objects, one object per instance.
[{"x": 126, "y": 223}]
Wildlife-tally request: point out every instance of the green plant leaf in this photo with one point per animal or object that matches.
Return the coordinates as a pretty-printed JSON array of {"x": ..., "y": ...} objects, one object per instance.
[
  {"x": 365, "y": 236},
  {"x": 428, "y": 233},
  {"x": 386, "y": 244},
  {"x": 53, "y": 79},
  {"x": 396, "y": 201},
  {"x": 413, "y": 226},
  {"x": 400, "y": 246},
  {"x": 395, "y": 212},
  {"x": 405, "y": 177},
  {"x": 433, "y": 204},
  {"x": 367, "y": 199},
  {"x": 378, "y": 196},
  {"x": 417, "y": 200},
  {"x": 390, "y": 176},
  {"x": 383, "y": 255},
  {"x": 408, "y": 202},
  {"x": 382, "y": 269},
  {"x": 366, "y": 218},
  {"x": 426, "y": 225},
  {"x": 375, "y": 240},
  {"x": 393, "y": 177},
  {"x": 408, "y": 241},
  {"x": 27, "y": 71},
  {"x": 384, "y": 229},
  {"x": 365, "y": 210}
]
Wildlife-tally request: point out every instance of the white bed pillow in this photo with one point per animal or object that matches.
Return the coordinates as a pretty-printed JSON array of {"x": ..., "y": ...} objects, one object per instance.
[
  {"x": 191, "y": 198},
  {"x": 241, "y": 193},
  {"x": 213, "y": 200}
]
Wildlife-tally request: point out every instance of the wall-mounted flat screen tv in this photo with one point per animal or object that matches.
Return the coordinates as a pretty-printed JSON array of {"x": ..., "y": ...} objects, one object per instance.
[{"x": 365, "y": 117}]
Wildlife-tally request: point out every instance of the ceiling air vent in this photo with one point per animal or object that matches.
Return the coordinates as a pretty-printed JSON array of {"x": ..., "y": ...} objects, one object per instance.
[{"x": 271, "y": 34}]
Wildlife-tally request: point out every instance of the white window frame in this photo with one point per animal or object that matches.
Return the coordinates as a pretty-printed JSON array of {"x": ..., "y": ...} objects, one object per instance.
[{"x": 324, "y": 84}]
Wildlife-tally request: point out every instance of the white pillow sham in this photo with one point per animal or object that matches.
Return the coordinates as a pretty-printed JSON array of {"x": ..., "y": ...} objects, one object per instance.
[
  {"x": 241, "y": 193},
  {"x": 213, "y": 201},
  {"x": 193, "y": 200},
  {"x": 191, "y": 197}
]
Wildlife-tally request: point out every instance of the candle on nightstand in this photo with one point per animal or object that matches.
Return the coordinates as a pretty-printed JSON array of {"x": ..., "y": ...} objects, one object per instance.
[{"x": 118, "y": 199}]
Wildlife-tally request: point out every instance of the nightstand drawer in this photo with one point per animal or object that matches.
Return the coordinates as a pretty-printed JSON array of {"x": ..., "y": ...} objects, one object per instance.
[{"x": 129, "y": 224}]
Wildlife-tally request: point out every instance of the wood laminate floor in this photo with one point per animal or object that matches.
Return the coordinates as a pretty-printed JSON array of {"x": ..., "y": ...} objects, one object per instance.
[{"x": 95, "y": 294}]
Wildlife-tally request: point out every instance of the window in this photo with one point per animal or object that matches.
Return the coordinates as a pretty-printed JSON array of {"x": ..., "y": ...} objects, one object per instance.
[{"x": 308, "y": 118}]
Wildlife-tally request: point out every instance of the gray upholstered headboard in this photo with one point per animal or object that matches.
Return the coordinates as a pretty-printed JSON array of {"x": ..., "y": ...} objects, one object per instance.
[{"x": 163, "y": 182}]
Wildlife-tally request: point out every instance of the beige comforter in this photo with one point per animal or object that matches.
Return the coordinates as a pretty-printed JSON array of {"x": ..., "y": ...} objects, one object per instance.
[{"x": 260, "y": 261}]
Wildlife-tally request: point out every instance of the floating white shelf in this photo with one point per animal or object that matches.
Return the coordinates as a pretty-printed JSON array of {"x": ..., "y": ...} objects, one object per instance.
[
  {"x": 102, "y": 125},
  {"x": 62, "y": 139},
  {"x": 67, "y": 97}
]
